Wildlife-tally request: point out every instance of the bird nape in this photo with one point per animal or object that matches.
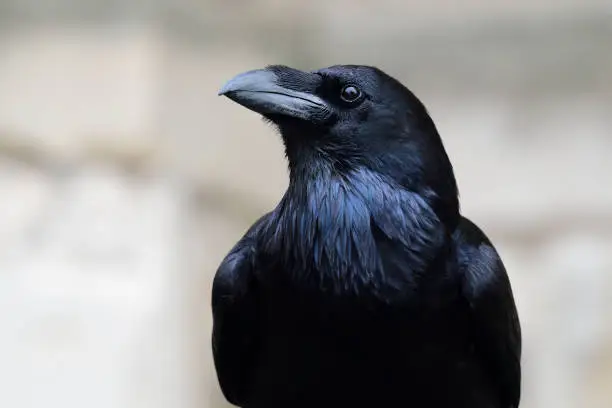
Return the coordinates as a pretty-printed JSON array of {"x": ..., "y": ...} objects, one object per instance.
[{"x": 365, "y": 286}]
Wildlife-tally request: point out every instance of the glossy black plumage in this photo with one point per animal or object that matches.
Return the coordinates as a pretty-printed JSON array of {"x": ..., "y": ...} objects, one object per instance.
[{"x": 364, "y": 287}]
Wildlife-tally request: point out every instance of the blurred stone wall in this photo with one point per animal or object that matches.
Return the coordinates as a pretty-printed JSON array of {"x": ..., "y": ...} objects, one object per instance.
[{"x": 125, "y": 179}]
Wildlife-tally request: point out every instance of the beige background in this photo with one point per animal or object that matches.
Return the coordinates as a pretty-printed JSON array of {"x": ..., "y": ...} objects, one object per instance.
[{"x": 125, "y": 179}]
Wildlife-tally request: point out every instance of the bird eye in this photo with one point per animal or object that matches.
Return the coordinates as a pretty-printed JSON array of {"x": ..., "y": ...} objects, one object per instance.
[{"x": 350, "y": 93}]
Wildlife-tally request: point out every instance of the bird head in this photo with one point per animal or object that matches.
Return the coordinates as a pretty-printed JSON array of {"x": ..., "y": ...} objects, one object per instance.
[{"x": 349, "y": 117}]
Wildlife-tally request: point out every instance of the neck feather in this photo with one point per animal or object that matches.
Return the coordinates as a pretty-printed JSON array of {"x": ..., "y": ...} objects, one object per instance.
[{"x": 354, "y": 231}]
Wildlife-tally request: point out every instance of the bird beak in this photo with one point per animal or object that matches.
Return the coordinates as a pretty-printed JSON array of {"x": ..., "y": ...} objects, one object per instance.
[{"x": 275, "y": 91}]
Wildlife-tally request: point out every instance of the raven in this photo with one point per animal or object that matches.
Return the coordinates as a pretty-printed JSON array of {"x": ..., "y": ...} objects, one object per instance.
[{"x": 365, "y": 286}]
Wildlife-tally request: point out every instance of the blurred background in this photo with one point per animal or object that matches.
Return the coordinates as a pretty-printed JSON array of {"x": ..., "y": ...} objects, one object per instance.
[{"x": 124, "y": 179}]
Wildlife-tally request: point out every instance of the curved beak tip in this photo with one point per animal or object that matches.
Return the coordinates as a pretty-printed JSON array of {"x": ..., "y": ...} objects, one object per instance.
[
  {"x": 224, "y": 89},
  {"x": 249, "y": 80}
]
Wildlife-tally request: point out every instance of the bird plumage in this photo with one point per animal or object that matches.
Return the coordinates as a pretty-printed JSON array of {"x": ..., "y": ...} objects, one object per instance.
[{"x": 364, "y": 286}]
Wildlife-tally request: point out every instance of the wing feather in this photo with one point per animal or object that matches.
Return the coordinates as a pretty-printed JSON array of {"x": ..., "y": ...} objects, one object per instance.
[{"x": 495, "y": 327}]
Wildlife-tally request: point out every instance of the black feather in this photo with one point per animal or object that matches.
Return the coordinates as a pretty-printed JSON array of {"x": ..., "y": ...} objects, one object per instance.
[{"x": 364, "y": 287}]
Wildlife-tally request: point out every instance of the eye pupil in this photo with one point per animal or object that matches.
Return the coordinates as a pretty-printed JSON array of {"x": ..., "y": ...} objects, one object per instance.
[{"x": 350, "y": 93}]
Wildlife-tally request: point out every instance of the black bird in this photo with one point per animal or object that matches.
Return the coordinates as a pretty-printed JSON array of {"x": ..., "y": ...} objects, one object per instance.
[{"x": 365, "y": 286}]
